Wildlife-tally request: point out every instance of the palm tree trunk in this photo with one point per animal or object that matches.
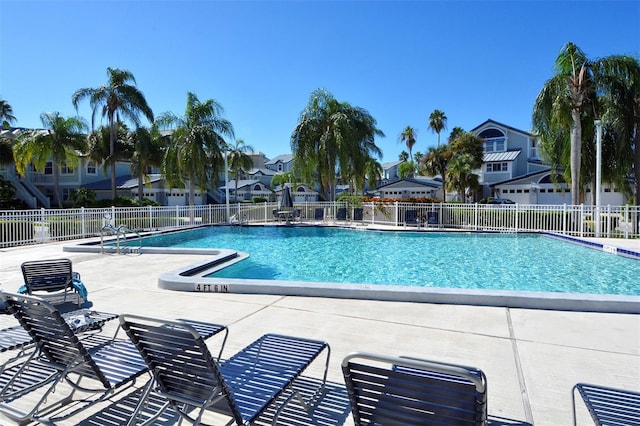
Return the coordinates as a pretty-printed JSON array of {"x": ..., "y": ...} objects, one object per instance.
[
  {"x": 636, "y": 168},
  {"x": 576, "y": 146},
  {"x": 140, "y": 185},
  {"x": 56, "y": 184},
  {"x": 112, "y": 149}
]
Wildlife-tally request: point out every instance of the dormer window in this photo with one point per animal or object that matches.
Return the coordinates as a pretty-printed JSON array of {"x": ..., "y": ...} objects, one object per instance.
[{"x": 494, "y": 140}]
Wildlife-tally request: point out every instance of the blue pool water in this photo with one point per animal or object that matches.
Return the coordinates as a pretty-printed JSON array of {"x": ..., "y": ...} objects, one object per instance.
[{"x": 454, "y": 260}]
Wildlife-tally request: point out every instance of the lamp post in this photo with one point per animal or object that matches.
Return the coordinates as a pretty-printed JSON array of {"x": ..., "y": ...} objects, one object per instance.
[
  {"x": 226, "y": 184},
  {"x": 598, "y": 124}
]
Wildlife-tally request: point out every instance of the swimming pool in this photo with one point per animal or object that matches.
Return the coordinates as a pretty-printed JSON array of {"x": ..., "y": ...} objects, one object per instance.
[{"x": 519, "y": 262}]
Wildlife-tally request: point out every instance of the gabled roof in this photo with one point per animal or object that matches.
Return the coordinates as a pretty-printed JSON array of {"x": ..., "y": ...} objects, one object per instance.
[
  {"x": 284, "y": 158},
  {"x": 496, "y": 123},
  {"x": 420, "y": 181},
  {"x": 133, "y": 182},
  {"x": 508, "y": 155},
  {"x": 242, "y": 183},
  {"x": 391, "y": 164},
  {"x": 266, "y": 172}
]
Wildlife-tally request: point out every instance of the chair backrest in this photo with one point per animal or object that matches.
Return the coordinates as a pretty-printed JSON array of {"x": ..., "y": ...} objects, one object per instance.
[
  {"x": 411, "y": 216},
  {"x": 432, "y": 218},
  {"x": 319, "y": 213},
  {"x": 47, "y": 275},
  {"x": 396, "y": 390},
  {"x": 341, "y": 213},
  {"x": 357, "y": 213},
  {"x": 179, "y": 360},
  {"x": 55, "y": 340}
]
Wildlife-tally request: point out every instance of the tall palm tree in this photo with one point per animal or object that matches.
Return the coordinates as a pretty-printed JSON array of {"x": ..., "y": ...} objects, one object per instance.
[
  {"x": 403, "y": 156},
  {"x": 148, "y": 151},
  {"x": 332, "y": 137},
  {"x": 436, "y": 162},
  {"x": 60, "y": 142},
  {"x": 195, "y": 151},
  {"x": 408, "y": 137},
  {"x": 6, "y": 119},
  {"x": 239, "y": 160},
  {"x": 6, "y": 114},
  {"x": 118, "y": 98},
  {"x": 99, "y": 146},
  {"x": 569, "y": 99},
  {"x": 437, "y": 122}
]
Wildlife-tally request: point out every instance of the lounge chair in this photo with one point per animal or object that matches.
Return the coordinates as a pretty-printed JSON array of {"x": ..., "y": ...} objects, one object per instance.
[
  {"x": 341, "y": 213},
  {"x": 53, "y": 280},
  {"x": 357, "y": 214},
  {"x": 189, "y": 378},
  {"x": 608, "y": 406},
  {"x": 385, "y": 390},
  {"x": 62, "y": 353},
  {"x": 62, "y": 356},
  {"x": 432, "y": 219},
  {"x": 411, "y": 217},
  {"x": 319, "y": 213}
]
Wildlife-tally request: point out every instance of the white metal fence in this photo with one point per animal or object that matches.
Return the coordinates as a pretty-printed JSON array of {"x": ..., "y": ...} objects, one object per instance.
[{"x": 21, "y": 227}]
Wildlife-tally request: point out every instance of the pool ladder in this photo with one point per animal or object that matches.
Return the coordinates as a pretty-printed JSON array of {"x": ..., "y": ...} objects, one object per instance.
[{"x": 121, "y": 233}]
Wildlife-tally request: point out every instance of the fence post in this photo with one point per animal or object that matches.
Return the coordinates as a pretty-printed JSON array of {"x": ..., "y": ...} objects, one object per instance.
[
  {"x": 475, "y": 217},
  {"x": 83, "y": 225},
  {"x": 396, "y": 214},
  {"x": 517, "y": 217},
  {"x": 564, "y": 219},
  {"x": 177, "y": 216},
  {"x": 580, "y": 222}
]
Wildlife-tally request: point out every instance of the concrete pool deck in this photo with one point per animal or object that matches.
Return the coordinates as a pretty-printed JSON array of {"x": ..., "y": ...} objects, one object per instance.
[{"x": 532, "y": 358}]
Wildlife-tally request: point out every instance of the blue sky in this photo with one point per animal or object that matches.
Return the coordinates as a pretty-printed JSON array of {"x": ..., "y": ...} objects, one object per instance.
[{"x": 400, "y": 60}]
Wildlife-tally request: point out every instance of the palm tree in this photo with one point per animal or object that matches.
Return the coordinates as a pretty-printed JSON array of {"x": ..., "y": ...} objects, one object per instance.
[
  {"x": 404, "y": 156},
  {"x": 195, "y": 151},
  {"x": 239, "y": 160},
  {"x": 61, "y": 142},
  {"x": 6, "y": 114},
  {"x": 148, "y": 151},
  {"x": 6, "y": 118},
  {"x": 569, "y": 99},
  {"x": 332, "y": 137},
  {"x": 99, "y": 146},
  {"x": 456, "y": 132},
  {"x": 408, "y": 136},
  {"x": 374, "y": 171},
  {"x": 461, "y": 176},
  {"x": 407, "y": 170},
  {"x": 116, "y": 99},
  {"x": 436, "y": 162},
  {"x": 437, "y": 122}
]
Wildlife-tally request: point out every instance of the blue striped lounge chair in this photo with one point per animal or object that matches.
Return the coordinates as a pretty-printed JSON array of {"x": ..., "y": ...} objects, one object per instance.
[{"x": 191, "y": 381}]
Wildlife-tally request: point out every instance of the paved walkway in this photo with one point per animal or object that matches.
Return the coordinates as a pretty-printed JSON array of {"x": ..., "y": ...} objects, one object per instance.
[{"x": 532, "y": 358}]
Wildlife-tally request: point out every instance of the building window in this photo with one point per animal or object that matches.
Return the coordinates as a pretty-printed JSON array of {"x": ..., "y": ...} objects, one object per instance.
[
  {"x": 91, "y": 168},
  {"x": 494, "y": 140},
  {"x": 497, "y": 167},
  {"x": 257, "y": 188},
  {"x": 494, "y": 145},
  {"x": 48, "y": 168},
  {"x": 65, "y": 169},
  {"x": 533, "y": 149}
]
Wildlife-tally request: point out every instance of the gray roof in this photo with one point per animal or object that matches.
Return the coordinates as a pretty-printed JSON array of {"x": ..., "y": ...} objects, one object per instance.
[
  {"x": 284, "y": 158},
  {"x": 491, "y": 157},
  {"x": 490, "y": 121},
  {"x": 420, "y": 180},
  {"x": 243, "y": 183},
  {"x": 266, "y": 172},
  {"x": 133, "y": 182}
]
